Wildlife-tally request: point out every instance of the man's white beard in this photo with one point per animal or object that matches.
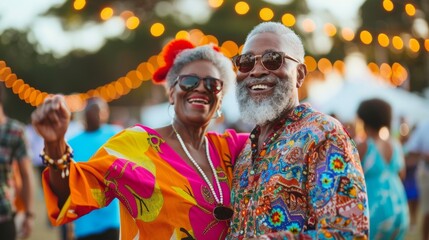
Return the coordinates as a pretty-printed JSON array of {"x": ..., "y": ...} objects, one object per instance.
[{"x": 262, "y": 110}]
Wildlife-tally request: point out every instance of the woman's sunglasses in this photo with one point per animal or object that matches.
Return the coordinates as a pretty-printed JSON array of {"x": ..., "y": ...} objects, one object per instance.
[
  {"x": 190, "y": 82},
  {"x": 270, "y": 61}
]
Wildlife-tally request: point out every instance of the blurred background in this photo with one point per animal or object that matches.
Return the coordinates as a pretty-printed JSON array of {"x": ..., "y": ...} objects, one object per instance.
[{"x": 355, "y": 49}]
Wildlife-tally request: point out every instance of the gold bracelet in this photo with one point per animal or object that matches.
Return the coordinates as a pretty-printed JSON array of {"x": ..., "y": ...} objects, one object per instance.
[{"x": 60, "y": 164}]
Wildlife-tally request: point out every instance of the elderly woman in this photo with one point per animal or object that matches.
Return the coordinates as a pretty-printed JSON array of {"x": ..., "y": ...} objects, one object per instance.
[{"x": 172, "y": 182}]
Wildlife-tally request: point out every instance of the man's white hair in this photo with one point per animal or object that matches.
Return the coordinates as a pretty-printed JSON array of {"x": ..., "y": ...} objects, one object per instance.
[{"x": 293, "y": 40}]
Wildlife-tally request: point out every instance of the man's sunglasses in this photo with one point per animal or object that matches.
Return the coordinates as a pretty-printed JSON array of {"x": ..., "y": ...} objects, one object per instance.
[
  {"x": 190, "y": 82},
  {"x": 270, "y": 61}
]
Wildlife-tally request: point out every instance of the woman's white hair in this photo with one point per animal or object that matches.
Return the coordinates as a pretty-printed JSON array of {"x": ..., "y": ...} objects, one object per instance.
[
  {"x": 206, "y": 52},
  {"x": 293, "y": 40}
]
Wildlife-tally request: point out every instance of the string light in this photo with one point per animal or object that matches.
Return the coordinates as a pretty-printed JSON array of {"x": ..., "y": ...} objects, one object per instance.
[
  {"x": 383, "y": 40},
  {"x": 241, "y": 8},
  {"x": 215, "y": 3},
  {"x": 106, "y": 13},
  {"x": 79, "y": 4},
  {"x": 366, "y": 37},
  {"x": 157, "y": 29},
  {"x": 266, "y": 14},
  {"x": 288, "y": 20},
  {"x": 388, "y": 5}
]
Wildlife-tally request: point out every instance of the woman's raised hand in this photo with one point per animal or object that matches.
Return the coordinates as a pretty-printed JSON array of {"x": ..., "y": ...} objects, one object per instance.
[{"x": 51, "y": 119}]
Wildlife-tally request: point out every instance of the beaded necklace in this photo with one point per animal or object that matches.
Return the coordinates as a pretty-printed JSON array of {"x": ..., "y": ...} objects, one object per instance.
[{"x": 220, "y": 212}]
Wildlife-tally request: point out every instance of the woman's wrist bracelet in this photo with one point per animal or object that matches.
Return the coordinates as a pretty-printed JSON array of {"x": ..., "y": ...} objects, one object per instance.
[{"x": 60, "y": 164}]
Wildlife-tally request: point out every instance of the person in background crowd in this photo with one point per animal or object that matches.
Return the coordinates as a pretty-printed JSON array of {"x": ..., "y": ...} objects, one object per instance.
[
  {"x": 383, "y": 164},
  {"x": 100, "y": 224},
  {"x": 13, "y": 149},
  {"x": 410, "y": 182},
  {"x": 172, "y": 182},
  {"x": 299, "y": 175},
  {"x": 417, "y": 149}
]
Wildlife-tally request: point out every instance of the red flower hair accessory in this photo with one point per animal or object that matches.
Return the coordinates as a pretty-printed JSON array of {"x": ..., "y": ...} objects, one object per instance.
[{"x": 170, "y": 52}]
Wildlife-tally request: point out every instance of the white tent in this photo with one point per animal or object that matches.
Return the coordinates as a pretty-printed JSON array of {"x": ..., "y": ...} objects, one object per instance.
[{"x": 342, "y": 96}]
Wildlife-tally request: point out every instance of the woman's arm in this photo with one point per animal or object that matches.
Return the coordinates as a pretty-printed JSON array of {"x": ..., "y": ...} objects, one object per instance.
[{"x": 51, "y": 120}]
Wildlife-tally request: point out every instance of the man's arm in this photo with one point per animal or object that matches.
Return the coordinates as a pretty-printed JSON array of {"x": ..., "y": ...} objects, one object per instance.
[{"x": 26, "y": 172}]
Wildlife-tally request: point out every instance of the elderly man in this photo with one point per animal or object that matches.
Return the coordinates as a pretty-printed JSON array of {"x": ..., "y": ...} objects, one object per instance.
[{"x": 299, "y": 176}]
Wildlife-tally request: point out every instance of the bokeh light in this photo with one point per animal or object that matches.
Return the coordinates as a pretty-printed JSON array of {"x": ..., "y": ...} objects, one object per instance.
[
  {"x": 324, "y": 65},
  {"x": 330, "y": 29},
  {"x": 182, "y": 34},
  {"x": 288, "y": 20},
  {"x": 414, "y": 45},
  {"x": 266, "y": 14},
  {"x": 79, "y": 4},
  {"x": 366, "y": 37},
  {"x": 106, "y": 13},
  {"x": 311, "y": 63},
  {"x": 132, "y": 22},
  {"x": 215, "y": 3},
  {"x": 157, "y": 29},
  {"x": 347, "y": 34},
  {"x": 373, "y": 67},
  {"x": 383, "y": 40},
  {"x": 308, "y": 25},
  {"x": 241, "y": 8},
  {"x": 397, "y": 42},
  {"x": 229, "y": 48},
  {"x": 388, "y": 5},
  {"x": 410, "y": 9}
]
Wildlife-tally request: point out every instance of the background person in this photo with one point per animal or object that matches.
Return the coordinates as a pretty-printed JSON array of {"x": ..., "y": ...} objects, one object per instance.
[
  {"x": 383, "y": 164},
  {"x": 417, "y": 149},
  {"x": 100, "y": 224},
  {"x": 13, "y": 149}
]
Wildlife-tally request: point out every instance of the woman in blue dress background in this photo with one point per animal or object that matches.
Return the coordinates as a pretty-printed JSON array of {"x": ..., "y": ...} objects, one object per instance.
[{"x": 383, "y": 164}]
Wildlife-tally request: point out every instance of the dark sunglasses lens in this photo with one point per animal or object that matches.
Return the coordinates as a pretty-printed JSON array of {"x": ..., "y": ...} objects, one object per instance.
[
  {"x": 272, "y": 60},
  {"x": 213, "y": 85},
  {"x": 187, "y": 83},
  {"x": 245, "y": 62}
]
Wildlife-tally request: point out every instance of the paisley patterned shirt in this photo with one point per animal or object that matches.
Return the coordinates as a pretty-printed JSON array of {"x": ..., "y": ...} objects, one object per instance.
[{"x": 306, "y": 181}]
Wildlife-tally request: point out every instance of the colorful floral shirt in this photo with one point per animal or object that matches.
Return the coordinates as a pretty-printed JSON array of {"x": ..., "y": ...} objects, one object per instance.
[
  {"x": 307, "y": 180},
  {"x": 161, "y": 196}
]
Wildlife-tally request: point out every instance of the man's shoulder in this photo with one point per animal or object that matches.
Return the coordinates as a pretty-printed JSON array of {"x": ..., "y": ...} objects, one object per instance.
[
  {"x": 16, "y": 123},
  {"x": 320, "y": 118},
  {"x": 13, "y": 125},
  {"x": 112, "y": 128}
]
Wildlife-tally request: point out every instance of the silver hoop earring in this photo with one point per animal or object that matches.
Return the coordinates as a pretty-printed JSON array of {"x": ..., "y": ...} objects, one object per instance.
[
  {"x": 171, "y": 111},
  {"x": 218, "y": 114}
]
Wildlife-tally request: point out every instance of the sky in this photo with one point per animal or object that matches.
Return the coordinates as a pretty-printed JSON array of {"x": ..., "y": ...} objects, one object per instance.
[
  {"x": 50, "y": 36},
  {"x": 48, "y": 32}
]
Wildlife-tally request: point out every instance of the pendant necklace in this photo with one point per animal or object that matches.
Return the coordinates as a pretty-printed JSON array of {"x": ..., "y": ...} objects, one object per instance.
[{"x": 220, "y": 212}]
